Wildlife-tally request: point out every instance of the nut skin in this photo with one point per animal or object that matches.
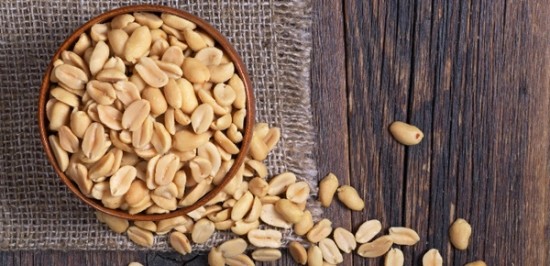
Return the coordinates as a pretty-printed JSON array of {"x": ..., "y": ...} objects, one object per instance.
[
  {"x": 459, "y": 234},
  {"x": 406, "y": 134}
]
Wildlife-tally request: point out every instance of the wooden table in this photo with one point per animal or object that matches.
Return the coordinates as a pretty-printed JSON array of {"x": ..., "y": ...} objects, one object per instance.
[{"x": 475, "y": 76}]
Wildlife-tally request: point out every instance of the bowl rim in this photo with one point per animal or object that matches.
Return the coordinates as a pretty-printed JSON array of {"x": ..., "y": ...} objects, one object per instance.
[{"x": 240, "y": 70}]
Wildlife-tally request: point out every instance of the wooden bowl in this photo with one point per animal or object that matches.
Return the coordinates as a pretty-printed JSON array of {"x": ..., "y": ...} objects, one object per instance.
[{"x": 239, "y": 69}]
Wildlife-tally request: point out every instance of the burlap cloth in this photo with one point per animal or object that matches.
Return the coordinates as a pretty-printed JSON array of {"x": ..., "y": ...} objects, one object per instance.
[{"x": 36, "y": 210}]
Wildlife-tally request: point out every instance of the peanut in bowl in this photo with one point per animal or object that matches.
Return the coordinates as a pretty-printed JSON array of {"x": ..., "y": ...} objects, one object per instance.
[{"x": 146, "y": 113}]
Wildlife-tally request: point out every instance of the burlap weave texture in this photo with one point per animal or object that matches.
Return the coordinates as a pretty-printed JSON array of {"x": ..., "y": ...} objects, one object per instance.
[{"x": 36, "y": 210}]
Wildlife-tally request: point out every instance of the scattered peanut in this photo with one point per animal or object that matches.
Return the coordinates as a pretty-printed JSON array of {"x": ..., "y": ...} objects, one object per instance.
[
  {"x": 376, "y": 248},
  {"x": 344, "y": 239},
  {"x": 403, "y": 236},
  {"x": 349, "y": 196},
  {"x": 330, "y": 251},
  {"x": 320, "y": 231},
  {"x": 367, "y": 231},
  {"x": 327, "y": 188},
  {"x": 459, "y": 234},
  {"x": 394, "y": 257},
  {"x": 432, "y": 258},
  {"x": 406, "y": 134}
]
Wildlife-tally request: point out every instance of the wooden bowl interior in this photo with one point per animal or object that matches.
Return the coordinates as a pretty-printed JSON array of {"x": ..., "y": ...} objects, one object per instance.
[{"x": 239, "y": 69}]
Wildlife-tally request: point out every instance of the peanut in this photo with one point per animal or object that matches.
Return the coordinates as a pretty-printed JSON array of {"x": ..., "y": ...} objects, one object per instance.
[
  {"x": 233, "y": 247},
  {"x": 344, "y": 239},
  {"x": 376, "y": 248},
  {"x": 403, "y": 236},
  {"x": 266, "y": 254},
  {"x": 327, "y": 189},
  {"x": 138, "y": 43},
  {"x": 349, "y": 196},
  {"x": 367, "y": 231},
  {"x": 432, "y": 258},
  {"x": 459, "y": 234},
  {"x": 140, "y": 236},
  {"x": 314, "y": 256},
  {"x": 330, "y": 251},
  {"x": 289, "y": 211},
  {"x": 298, "y": 252},
  {"x": 406, "y": 134},
  {"x": 320, "y": 231},
  {"x": 394, "y": 257},
  {"x": 202, "y": 231}
]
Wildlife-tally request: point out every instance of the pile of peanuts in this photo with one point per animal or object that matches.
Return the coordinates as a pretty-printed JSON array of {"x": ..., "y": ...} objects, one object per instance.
[{"x": 147, "y": 114}]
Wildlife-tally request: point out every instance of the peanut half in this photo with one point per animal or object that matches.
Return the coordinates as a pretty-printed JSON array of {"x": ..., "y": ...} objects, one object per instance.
[
  {"x": 266, "y": 254},
  {"x": 265, "y": 238},
  {"x": 180, "y": 243},
  {"x": 298, "y": 252},
  {"x": 289, "y": 211},
  {"x": 314, "y": 256},
  {"x": 394, "y": 257},
  {"x": 330, "y": 251},
  {"x": 376, "y": 248},
  {"x": 233, "y": 247},
  {"x": 367, "y": 231},
  {"x": 432, "y": 258},
  {"x": 344, "y": 239},
  {"x": 320, "y": 231},
  {"x": 403, "y": 236}
]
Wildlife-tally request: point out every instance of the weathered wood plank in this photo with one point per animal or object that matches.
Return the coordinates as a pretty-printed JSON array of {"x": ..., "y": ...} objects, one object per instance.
[
  {"x": 329, "y": 101},
  {"x": 478, "y": 87},
  {"x": 379, "y": 50}
]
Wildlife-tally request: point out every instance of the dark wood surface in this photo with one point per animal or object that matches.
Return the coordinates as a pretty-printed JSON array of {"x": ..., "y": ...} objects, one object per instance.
[{"x": 474, "y": 76}]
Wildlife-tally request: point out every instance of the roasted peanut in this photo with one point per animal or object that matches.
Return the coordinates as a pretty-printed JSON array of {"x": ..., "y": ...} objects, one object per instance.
[
  {"x": 376, "y": 248},
  {"x": 406, "y": 134},
  {"x": 349, "y": 196},
  {"x": 459, "y": 234},
  {"x": 432, "y": 258}
]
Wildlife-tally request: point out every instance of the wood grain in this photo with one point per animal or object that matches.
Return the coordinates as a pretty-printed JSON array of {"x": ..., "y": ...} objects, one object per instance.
[
  {"x": 379, "y": 50},
  {"x": 476, "y": 89},
  {"x": 475, "y": 76},
  {"x": 328, "y": 98}
]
